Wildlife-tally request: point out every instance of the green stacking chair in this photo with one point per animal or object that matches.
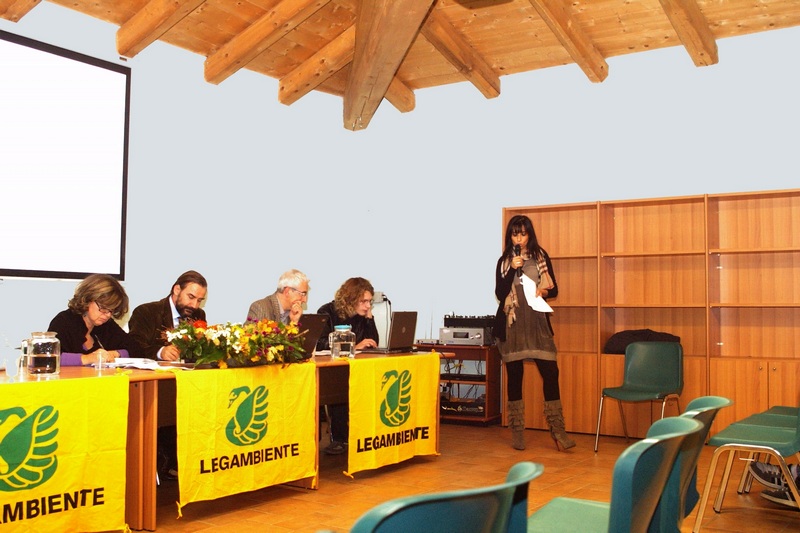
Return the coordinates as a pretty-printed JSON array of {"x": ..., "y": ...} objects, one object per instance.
[
  {"x": 653, "y": 372},
  {"x": 777, "y": 416},
  {"x": 640, "y": 475},
  {"x": 773, "y": 441},
  {"x": 495, "y": 509},
  {"x": 680, "y": 495}
]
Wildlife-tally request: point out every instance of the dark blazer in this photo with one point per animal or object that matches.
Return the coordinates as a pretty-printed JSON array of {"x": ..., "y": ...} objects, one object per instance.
[{"x": 149, "y": 323}]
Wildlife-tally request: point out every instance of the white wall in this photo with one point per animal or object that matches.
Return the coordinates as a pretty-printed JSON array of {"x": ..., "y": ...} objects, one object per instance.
[{"x": 227, "y": 181}]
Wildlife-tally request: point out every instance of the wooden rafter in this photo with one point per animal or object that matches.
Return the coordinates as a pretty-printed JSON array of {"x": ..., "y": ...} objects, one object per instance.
[
  {"x": 330, "y": 59},
  {"x": 14, "y": 10},
  {"x": 451, "y": 44},
  {"x": 692, "y": 28},
  {"x": 317, "y": 68},
  {"x": 556, "y": 14},
  {"x": 385, "y": 29},
  {"x": 239, "y": 51},
  {"x": 151, "y": 22}
]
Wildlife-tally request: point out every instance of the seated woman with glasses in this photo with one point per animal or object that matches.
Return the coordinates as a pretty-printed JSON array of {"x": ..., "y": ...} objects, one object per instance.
[
  {"x": 351, "y": 305},
  {"x": 85, "y": 329}
]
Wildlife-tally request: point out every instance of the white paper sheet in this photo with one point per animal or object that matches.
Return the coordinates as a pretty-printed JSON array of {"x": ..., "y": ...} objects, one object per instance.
[{"x": 537, "y": 303}]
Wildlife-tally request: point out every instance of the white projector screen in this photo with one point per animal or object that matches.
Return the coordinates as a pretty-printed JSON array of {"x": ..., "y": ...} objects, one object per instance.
[{"x": 64, "y": 121}]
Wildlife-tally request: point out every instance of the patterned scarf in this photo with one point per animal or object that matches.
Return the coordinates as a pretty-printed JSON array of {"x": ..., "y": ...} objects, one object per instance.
[{"x": 512, "y": 302}]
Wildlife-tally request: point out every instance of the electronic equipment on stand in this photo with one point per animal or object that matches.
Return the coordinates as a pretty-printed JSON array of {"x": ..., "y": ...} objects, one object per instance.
[
  {"x": 469, "y": 381},
  {"x": 467, "y": 330}
]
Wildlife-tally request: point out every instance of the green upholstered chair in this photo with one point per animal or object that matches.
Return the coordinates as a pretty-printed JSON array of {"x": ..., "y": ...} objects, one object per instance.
[
  {"x": 497, "y": 508},
  {"x": 755, "y": 436},
  {"x": 640, "y": 475},
  {"x": 680, "y": 495},
  {"x": 653, "y": 372}
]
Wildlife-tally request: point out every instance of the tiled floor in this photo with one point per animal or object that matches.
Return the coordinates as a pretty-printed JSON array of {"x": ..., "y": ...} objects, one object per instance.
[{"x": 470, "y": 456}]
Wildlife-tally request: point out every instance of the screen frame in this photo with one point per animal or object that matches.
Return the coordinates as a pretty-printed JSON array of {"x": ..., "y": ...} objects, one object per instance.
[{"x": 115, "y": 68}]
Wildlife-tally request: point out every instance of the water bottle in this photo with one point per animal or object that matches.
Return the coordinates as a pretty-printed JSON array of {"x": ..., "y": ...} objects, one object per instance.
[
  {"x": 43, "y": 353},
  {"x": 342, "y": 341}
]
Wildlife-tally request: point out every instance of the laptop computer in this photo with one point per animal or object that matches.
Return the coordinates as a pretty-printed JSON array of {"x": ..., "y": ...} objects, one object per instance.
[
  {"x": 314, "y": 324},
  {"x": 401, "y": 333}
]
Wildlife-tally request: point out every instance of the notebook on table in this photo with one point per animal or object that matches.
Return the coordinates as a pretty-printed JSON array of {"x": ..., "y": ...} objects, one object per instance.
[
  {"x": 315, "y": 324},
  {"x": 401, "y": 333}
]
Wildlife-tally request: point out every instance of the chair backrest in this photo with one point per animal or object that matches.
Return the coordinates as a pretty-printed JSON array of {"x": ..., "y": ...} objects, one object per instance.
[
  {"x": 641, "y": 473},
  {"x": 498, "y": 508},
  {"x": 656, "y": 366},
  {"x": 680, "y": 494}
]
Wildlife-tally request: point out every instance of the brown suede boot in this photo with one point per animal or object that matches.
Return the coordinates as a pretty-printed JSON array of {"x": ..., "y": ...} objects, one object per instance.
[
  {"x": 516, "y": 422},
  {"x": 555, "y": 418}
]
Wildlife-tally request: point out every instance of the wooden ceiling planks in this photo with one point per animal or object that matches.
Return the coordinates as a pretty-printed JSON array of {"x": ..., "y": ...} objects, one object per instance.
[{"x": 405, "y": 45}]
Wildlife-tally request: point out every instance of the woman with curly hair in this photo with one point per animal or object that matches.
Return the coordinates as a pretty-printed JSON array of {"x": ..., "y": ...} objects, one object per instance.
[
  {"x": 352, "y": 305},
  {"x": 85, "y": 328}
]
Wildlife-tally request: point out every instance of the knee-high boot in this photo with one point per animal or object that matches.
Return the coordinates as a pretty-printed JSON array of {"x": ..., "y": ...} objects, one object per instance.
[
  {"x": 555, "y": 418},
  {"x": 516, "y": 422}
]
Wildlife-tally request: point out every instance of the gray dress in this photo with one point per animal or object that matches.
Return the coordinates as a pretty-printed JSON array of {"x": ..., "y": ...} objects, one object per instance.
[{"x": 530, "y": 336}]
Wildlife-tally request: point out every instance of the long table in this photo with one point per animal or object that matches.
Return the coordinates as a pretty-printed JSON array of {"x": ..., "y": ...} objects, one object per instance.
[{"x": 143, "y": 422}]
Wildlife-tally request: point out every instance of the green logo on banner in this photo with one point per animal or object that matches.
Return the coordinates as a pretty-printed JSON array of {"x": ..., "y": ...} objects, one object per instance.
[
  {"x": 249, "y": 422},
  {"x": 27, "y": 447},
  {"x": 396, "y": 404}
]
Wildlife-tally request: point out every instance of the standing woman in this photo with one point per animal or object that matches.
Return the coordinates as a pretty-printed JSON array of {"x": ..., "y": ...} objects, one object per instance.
[
  {"x": 526, "y": 334},
  {"x": 86, "y": 330}
]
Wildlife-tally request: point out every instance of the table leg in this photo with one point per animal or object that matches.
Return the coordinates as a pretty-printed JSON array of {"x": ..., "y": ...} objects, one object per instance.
[{"x": 140, "y": 490}]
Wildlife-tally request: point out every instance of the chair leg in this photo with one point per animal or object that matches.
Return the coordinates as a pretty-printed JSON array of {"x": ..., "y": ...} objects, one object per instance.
[
  {"x": 746, "y": 481},
  {"x": 712, "y": 467},
  {"x": 599, "y": 417},
  {"x": 622, "y": 416},
  {"x": 723, "y": 485}
]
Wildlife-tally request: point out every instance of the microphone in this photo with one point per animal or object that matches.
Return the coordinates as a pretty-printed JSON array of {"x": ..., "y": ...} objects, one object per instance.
[{"x": 517, "y": 252}]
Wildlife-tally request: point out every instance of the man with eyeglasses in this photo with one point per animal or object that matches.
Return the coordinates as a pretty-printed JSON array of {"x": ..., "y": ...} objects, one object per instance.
[{"x": 286, "y": 303}]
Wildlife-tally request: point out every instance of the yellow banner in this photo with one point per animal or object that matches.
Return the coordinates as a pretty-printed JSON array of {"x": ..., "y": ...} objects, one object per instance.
[
  {"x": 62, "y": 455},
  {"x": 394, "y": 410},
  {"x": 242, "y": 429}
]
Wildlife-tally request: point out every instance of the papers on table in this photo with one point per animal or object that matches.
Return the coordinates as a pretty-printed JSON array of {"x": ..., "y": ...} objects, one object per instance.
[
  {"x": 142, "y": 363},
  {"x": 537, "y": 303}
]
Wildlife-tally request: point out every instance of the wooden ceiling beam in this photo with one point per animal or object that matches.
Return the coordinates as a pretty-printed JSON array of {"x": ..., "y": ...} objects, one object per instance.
[
  {"x": 385, "y": 30},
  {"x": 316, "y": 69},
  {"x": 451, "y": 44},
  {"x": 692, "y": 28},
  {"x": 581, "y": 49},
  {"x": 150, "y": 23},
  {"x": 270, "y": 28},
  {"x": 401, "y": 96},
  {"x": 14, "y": 10},
  {"x": 334, "y": 56}
]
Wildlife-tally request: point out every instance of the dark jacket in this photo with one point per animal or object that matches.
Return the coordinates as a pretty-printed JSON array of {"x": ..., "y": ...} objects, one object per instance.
[
  {"x": 149, "y": 323},
  {"x": 502, "y": 286},
  {"x": 363, "y": 327},
  {"x": 71, "y": 332}
]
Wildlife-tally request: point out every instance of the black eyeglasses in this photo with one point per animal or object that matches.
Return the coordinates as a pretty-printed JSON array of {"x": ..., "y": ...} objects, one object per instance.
[{"x": 104, "y": 310}]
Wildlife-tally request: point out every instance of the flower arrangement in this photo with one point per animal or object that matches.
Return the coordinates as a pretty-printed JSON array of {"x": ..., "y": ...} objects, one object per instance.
[{"x": 265, "y": 342}]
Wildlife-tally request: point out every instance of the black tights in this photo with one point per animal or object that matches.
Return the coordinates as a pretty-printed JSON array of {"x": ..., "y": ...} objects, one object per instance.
[{"x": 547, "y": 369}]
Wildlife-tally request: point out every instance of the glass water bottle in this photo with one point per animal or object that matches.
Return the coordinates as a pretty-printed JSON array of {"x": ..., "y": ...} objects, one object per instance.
[
  {"x": 342, "y": 341},
  {"x": 43, "y": 353}
]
